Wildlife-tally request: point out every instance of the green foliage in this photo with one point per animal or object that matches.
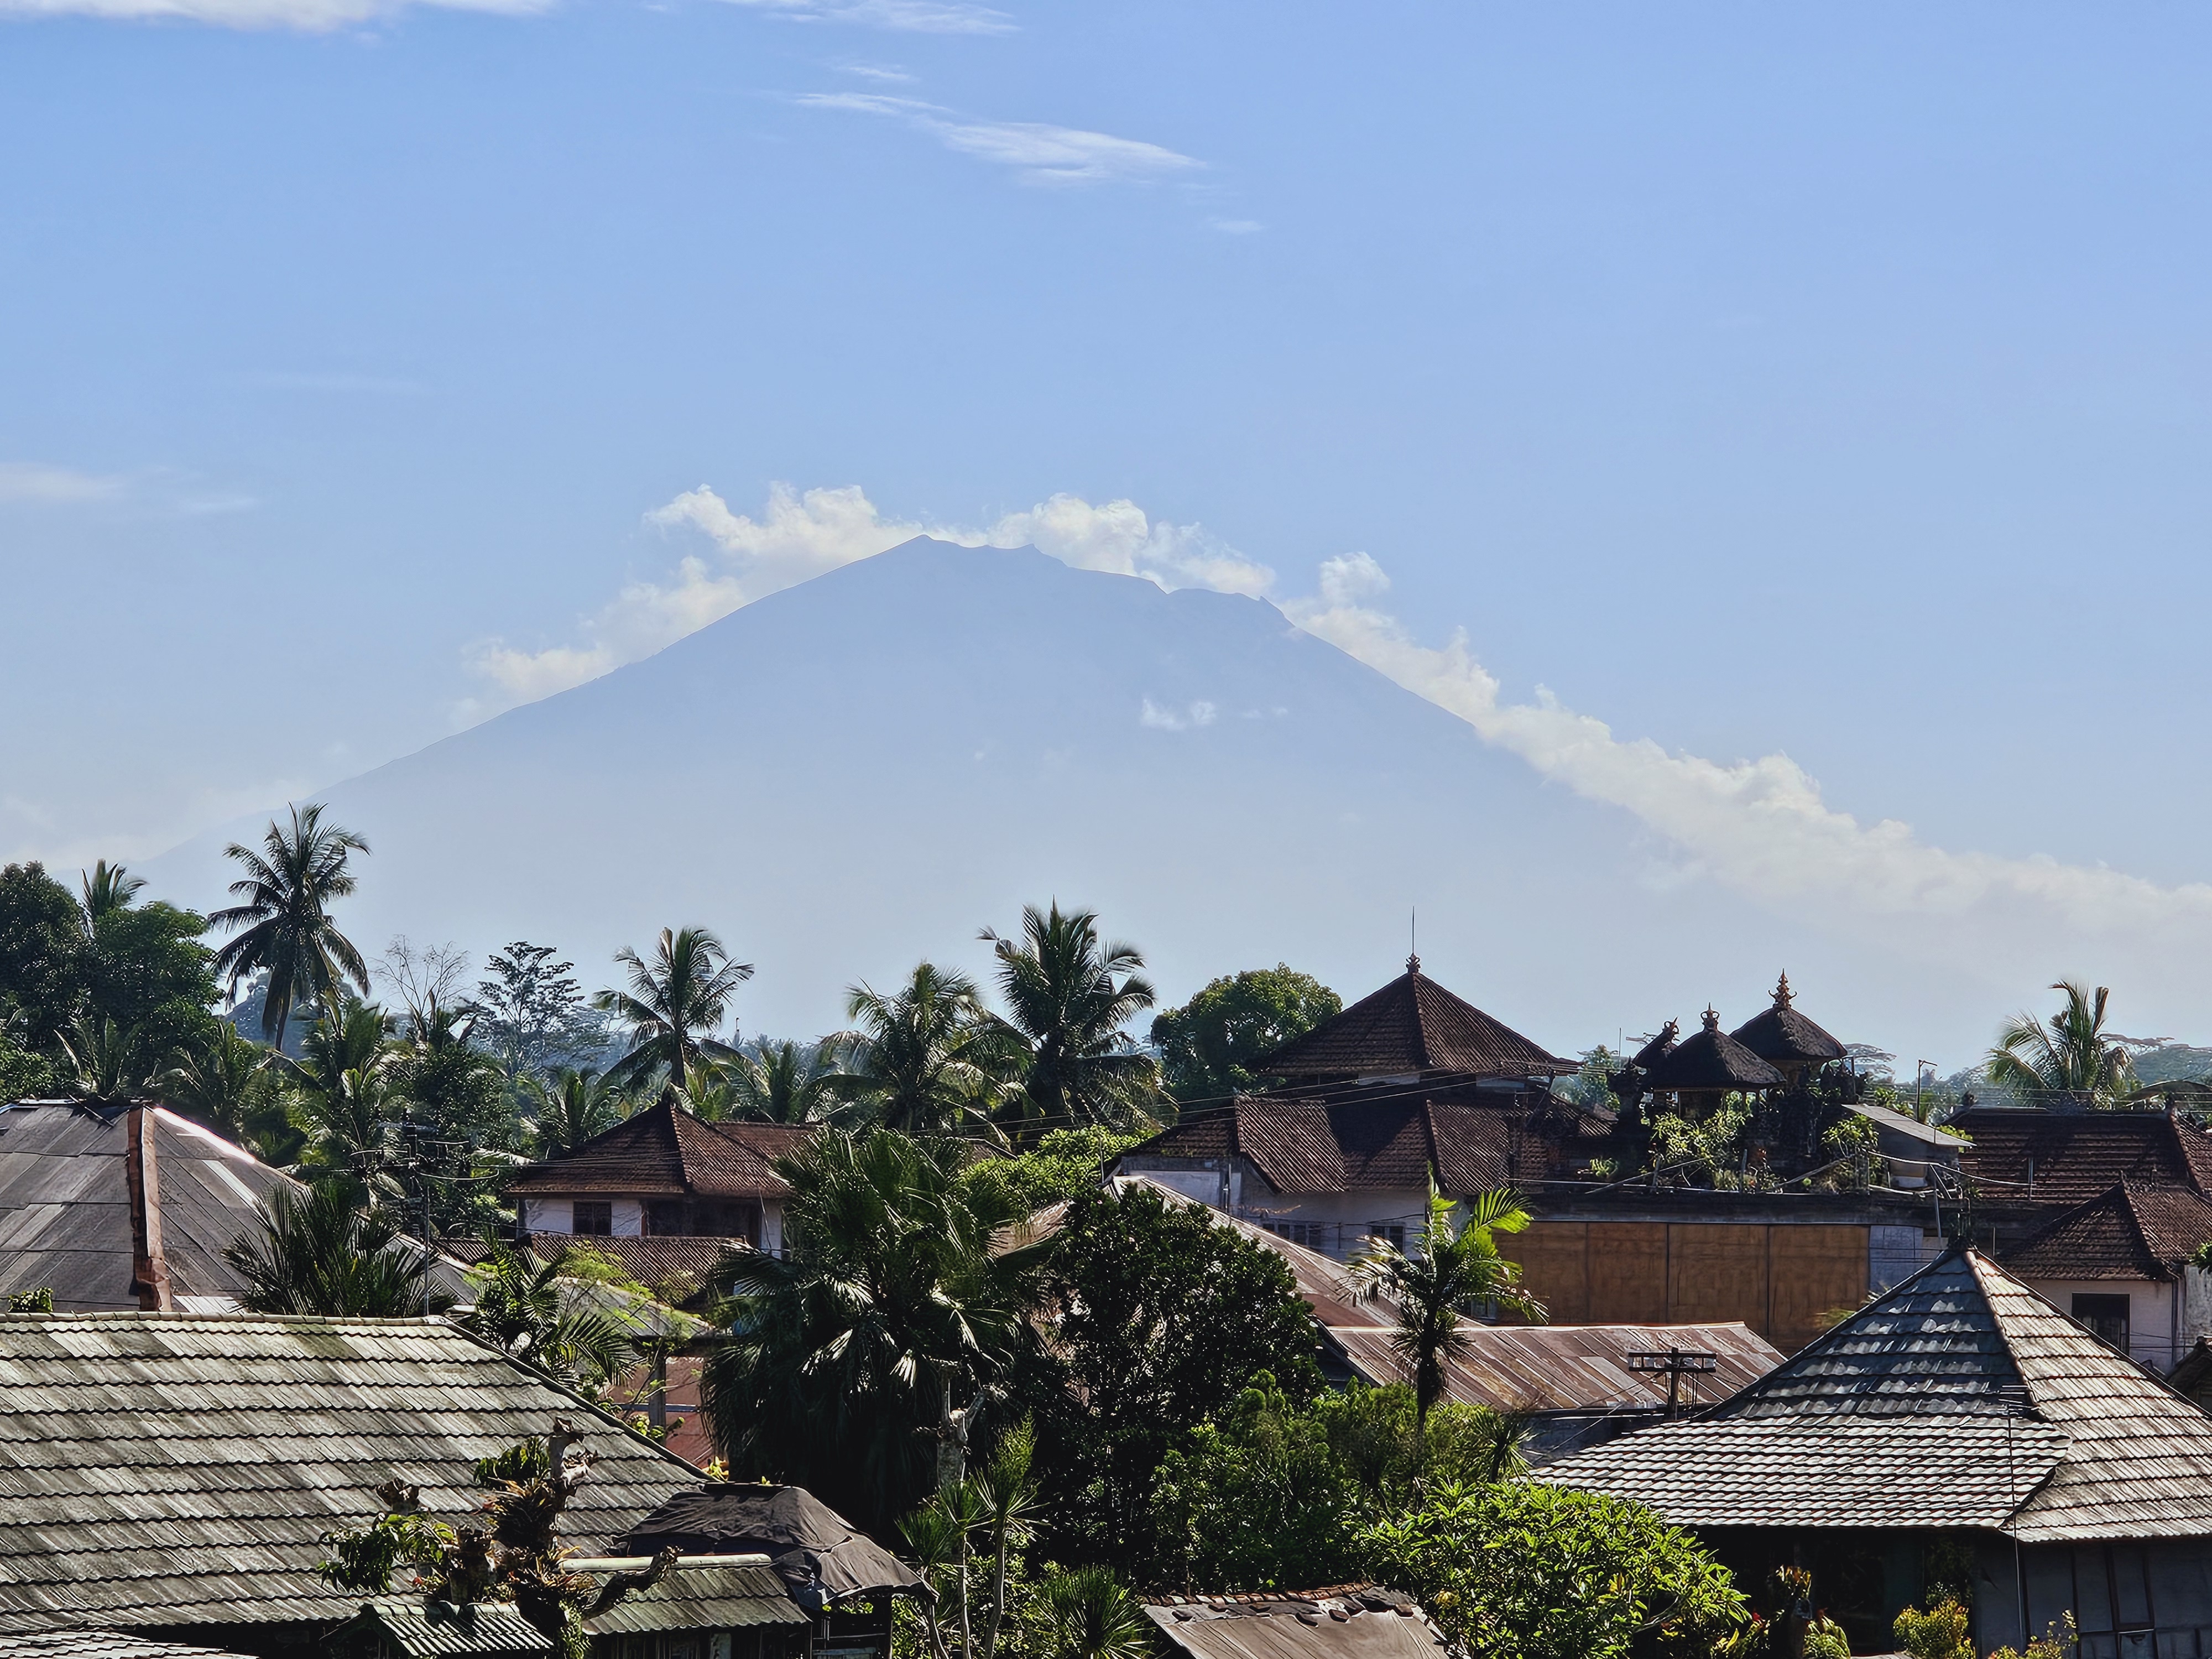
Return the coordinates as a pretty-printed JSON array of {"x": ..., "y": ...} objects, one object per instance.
[
  {"x": 531, "y": 1014},
  {"x": 1086, "y": 1613},
  {"x": 1592, "y": 1083},
  {"x": 364, "y": 1559},
  {"x": 284, "y": 916},
  {"x": 1209, "y": 1046},
  {"x": 1824, "y": 1639},
  {"x": 674, "y": 1006},
  {"x": 563, "y": 1112},
  {"x": 145, "y": 968},
  {"x": 315, "y": 1254},
  {"x": 2068, "y": 1055},
  {"x": 41, "y": 947},
  {"x": 1854, "y": 1139},
  {"x": 1707, "y": 1152},
  {"x": 1062, "y": 1163},
  {"x": 2058, "y": 1641},
  {"x": 784, "y": 1082},
  {"x": 524, "y": 1461},
  {"x": 38, "y": 1301},
  {"x": 926, "y": 1059},
  {"x": 1520, "y": 1570},
  {"x": 23, "y": 1075},
  {"x": 228, "y": 1083},
  {"x": 1941, "y": 1632},
  {"x": 1162, "y": 1319},
  {"x": 1068, "y": 995},
  {"x": 524, "y": 1309}
]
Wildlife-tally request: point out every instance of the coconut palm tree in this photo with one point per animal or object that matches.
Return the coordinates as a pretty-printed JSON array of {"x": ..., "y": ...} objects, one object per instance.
[
  {"x": 845, "y": 1355},
  {"x": 314, "y": 1253},
  {"x": 345, "y": 1079},
  {"x": 524, "y": 1309},
  {"x": 2069, "y": 1055},
  {"x": 106, "y": 1060},
  {"x": 926, "y": 1059},
  {"x": 785, "y": 1082},
  {"x": 108, "y": 888},
  {"x": 1452, "y": 1269},
  {"x": 674, "y": 1005},
  {"x": 570, "y": 1109},
  {"x": 288, "y": 888},
  {"x": 221, "y": 1082},
  {"x": 1070, "y": 996}
]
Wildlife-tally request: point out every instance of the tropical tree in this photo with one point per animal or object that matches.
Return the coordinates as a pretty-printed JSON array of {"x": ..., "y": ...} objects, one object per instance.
[
  {"x": 1211, "y": 1048},
  {"x": 346, "y": 1102},
  {"x": 856, "y": 1362},
  {"x": 224, "y": 1083},
  {"x": 287, "y": 892},
  {"x": 1454, "y": 1267},
  {"x": 532, "y": 1012},
  {"x": 674, "y": 1005},
  {"x": 567, "y": 1111},
  {"x": 104, "y": 1059},
  {"x": 314, "y": 1253},
  {"x": 108, "y": 888},
  {"x": 2068, "y": 1055},
  {"x": 528, "y": 1309},
  {"x": 923, "y": 1059},
  {"x": 1086, "y": 1613},
  {"x": 1070, "y": 996},
  {"x": 785, "y": 1082}
]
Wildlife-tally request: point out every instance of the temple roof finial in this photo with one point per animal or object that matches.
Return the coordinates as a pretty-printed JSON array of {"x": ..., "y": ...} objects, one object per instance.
[
  {"x": 1712, "y": 1018},
  {"x": 1413, "y": 964},
  {"x": 1782, "y": 992}
]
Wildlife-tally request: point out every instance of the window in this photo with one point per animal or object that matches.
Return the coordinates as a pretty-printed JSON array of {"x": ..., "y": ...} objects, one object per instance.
[
  {"x": 2106, "y": 1316},
  {"x": 727, "y": 1220},
  {"x": 665, "y": 1218},
  {"x": 594, "y": 1217},
  {"x": 1391, "y": 1232},
  {"x": 1314, "y": 1235}
]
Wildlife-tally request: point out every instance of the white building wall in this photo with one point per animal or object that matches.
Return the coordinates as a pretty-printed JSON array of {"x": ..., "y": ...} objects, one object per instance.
[
  {"x": 2155, "y": 1312},
  {"x": 771, "y": 1238},
  {"x": 630, "y": 1218},
  {"x": 549, "y": 1215}
]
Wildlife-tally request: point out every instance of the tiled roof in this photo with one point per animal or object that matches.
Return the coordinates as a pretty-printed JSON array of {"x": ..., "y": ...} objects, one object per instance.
[
  {"x": 1351, "y": 1621},
  {"x": 651, "y": 1262},
  {"x": 665, "y": 1149},
  {"x": 2021, "y": 1153},
  {"x": 1413, "y": 1025},
  {"x": 420, "y": 1629},
  {"x": 1959, "y": 1399},
  {"x": 1711, "y": 1058},
  {"x": 116, "y": 1208},
  {"x": 1782, "y": 1036},
  {"x": 2130, "y": 1231},
  {"x": 176, "y": 1469},
  {"x": 99, "y": 1644},
  {"x": 1563, "y": 1368},
  {"x": 704, "y": 1598}
]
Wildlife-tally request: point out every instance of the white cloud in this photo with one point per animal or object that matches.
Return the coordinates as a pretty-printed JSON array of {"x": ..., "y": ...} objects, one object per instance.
[
  {"x": 804, "y": 535},
  {"x": 1350, "y": 577},
  {"x": 908, "y": 16},
  {"x": 1039, "y": 154},
  {"x": 312, "y": 16},
  {"x": 31, "y": 483},
  {"x": 884, "y": 72},
  {"x": 1159, "y": 719}
]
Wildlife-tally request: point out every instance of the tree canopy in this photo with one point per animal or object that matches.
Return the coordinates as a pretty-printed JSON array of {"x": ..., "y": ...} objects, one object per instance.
[{"x": 1210, "y": 1046}]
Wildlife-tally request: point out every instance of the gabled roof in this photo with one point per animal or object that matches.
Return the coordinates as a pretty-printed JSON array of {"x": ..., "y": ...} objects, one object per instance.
[
  {"x": 2132, "y": 1230},
  {"x": 178, "y": 1469},
  {"x": 1961, "y": 1399},
  {"x": 116, "y": 1208},
  {"x": 2020, "y": 1154},
  {"x": 1711, "y": 1058},
  {"x": 666, "y": 1151},
  {"x": 1411, "y": 1025},
  {"x": 1783, "y": 1037}
]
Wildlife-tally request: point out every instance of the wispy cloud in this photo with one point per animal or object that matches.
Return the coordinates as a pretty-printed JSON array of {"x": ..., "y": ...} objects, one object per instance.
[
  {"x": 160, "y": 491},
  {"x": 309, "y": 16},
  {"x": 890, "y": 73},
  {"x": 1039, "y": 154},
  {"x": 33, "y": 483},
  {"x": 909, "y": 16}
]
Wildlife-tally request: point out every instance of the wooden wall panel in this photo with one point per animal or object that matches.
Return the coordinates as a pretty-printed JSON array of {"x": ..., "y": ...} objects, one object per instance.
[
  {"x": 1716, "y": 1271},
  {"x": 1553, "y": 1268},
  {"x": 1627, "y": 1272},
  {"x": 1812, "y": 1270}
]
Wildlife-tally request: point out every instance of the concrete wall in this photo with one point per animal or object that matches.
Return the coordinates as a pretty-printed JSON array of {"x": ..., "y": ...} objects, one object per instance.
[{"x": 2154, "y": 1337}]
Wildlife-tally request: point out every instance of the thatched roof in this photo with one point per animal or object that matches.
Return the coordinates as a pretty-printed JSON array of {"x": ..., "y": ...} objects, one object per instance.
[
  {"x": 1711, "y": 1058},
  {"x": 1783, "y": 1037}
]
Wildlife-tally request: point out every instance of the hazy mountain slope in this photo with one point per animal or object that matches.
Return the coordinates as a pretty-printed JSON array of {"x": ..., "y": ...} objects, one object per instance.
[{"x": 868, "y": 768}]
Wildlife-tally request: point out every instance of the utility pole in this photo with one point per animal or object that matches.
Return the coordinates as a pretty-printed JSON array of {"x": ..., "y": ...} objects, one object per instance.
[{"x": 1676, "y": 1363}]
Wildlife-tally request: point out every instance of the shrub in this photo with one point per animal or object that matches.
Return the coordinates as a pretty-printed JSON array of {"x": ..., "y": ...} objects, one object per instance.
[
  {"x": 1938, "y": 1633},
  {"x": 2057, "y": 1641},
  {"x": 1824, "y": 1639}
]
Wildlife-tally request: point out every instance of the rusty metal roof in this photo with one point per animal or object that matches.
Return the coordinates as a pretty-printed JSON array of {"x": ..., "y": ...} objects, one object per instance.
[{"x": 1563, "y": 1368}]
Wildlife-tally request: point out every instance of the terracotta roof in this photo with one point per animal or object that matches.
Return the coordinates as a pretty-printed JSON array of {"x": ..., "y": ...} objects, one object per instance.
[
  {"x": 1411, "y": 1025},
  {"x": 652, "y": 1261},
  {"x": 178, "y": 1470},
  {"x": 2021, "y": 1153},
  {"x": 117, "y": 1207},
  {"x": 1349, "y": 1142},
  {"x": 1782, "y": 1036},
  {"x": 665, "y": 1149},
  {"x": 1711, "y": 1058},
  {"x": 1562, "y": 1368},
  {"x": 1959, "y": 1399},
  {"x": 2130, "y": 1231}
]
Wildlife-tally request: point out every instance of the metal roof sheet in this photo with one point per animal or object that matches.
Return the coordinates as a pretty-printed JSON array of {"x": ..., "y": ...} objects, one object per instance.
[
  {"x": 1348, "y": 1624},
  {"x": 99, "y": 1644},
  {"x": 1559, "y": 1368}
]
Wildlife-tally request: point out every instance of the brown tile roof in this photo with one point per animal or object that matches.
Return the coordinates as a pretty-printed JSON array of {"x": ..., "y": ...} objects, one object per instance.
[
  {"x": 1559, "y": 1368},
  {"x": 664, "y": 1150},
  {"x": 1782, "y": 1036},
  {"x": 2130, "y": 1231},
  {"x": 176, "y": 1470},
  {"x": 1413, "y": 1025},
  {"x": 1961, "y": 1398},
  {"x": 1711, "y": 1058},
  {"x": 653, "y": 1262},
  {"x": 2021, "y": 1153}
]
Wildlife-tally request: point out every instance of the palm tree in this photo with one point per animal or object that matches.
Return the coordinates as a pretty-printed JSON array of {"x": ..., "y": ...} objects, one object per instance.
[
  {"x": 785, "y": 1082},
  {"x": 220, "y": 1083},
  {"x": 106, "y": 1060},
  {"x": 107, "y": 889},
  {"x": 523, "y": 1309},
  {"x": 2068, "y": 1055},
  {"x": 1452, "y": 1269},
  {"x": 846, "y": 1355},
  {"x": 288, "y": 890},
  {"x": 314, "y": 1253},
  {"x": 345, "y": 1093},
  {"x": 923, "y": 1059},
  {"x": 1088, "y": 1615},
  {"x": 674, "y": 1004},
  {"x": 570, "y": 1110},
  {"x": 1070, "y": 996}
]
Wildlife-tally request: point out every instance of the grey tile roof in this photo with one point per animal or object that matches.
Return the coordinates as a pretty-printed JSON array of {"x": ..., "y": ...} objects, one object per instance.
[
  {"x": 1959, "y": 1399},
  {"x": 178, "y": 1469},
  {"x": 704, "y": 1598},
  {"x": 99, "y": 1644},
  {"x": 431, "y": 1629}
]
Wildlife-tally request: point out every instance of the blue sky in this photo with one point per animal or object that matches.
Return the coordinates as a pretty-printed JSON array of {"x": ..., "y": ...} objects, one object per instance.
[{"x": 1818, "y": 382}]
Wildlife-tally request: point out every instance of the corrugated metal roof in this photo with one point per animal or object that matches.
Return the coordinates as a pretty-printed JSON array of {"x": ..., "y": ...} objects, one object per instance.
[
  {"x": 1979, "y": 1402},
  {"x": 177, "y": 1469},
  {"x": 1561, "y": 1368},
  {"x": 99, "y": 1644},
  {"x": 1347, "y": 1623}
]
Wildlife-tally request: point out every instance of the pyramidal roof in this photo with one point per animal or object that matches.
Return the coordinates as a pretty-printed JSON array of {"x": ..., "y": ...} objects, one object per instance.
[
  {"x": 1782, "y": 1036},
  {"x": 1411, "y": 1025},
  {"x": 1711, "y": 1058},
  {"x": 667, "y": 1150},
  {"x": 1959, "y": 1399}
]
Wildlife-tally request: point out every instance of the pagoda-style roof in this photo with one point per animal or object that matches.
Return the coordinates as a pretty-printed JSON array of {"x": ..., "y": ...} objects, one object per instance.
[
  {"x": 1711, "y": 1058},
  {"x": 667, "y": 1150},
  {"x": 1411, "y": 1027},
  {"x": 1786, "y": 1038},
  {"x": 1959, "y": 1399},
  {"x": 1658, "y": 1047}
]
